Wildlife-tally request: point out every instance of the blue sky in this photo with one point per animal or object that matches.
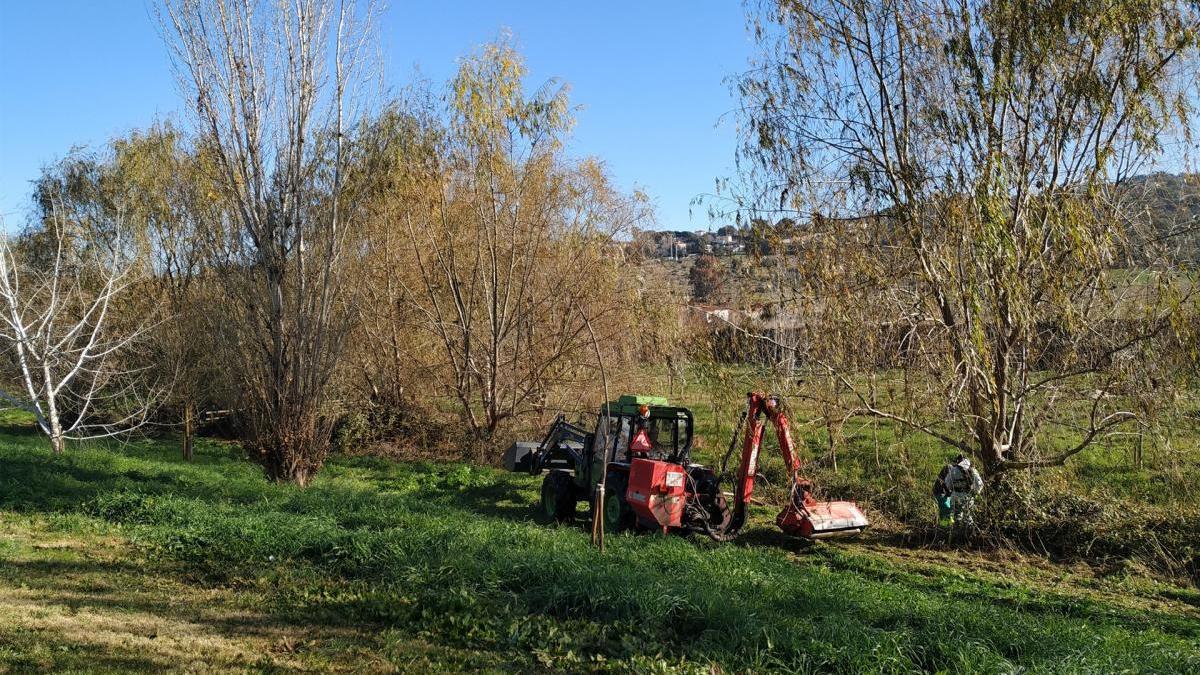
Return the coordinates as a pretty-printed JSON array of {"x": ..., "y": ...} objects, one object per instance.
[{"x": 650, "y": 77}]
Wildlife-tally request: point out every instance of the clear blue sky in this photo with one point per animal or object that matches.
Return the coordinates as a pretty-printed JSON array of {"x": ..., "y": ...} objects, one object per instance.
[{"x": 649, "y": 75}]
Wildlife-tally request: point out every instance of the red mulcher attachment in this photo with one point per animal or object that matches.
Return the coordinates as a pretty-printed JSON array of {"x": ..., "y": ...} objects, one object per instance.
[
  {"x": 811, "y": 519},
  {"x": 803, "y": 516}
]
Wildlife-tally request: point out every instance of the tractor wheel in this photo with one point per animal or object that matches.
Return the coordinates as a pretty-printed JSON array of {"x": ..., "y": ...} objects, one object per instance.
[
  {"x": 616, "y": 510},
  {"x": 558, "y": 496}
]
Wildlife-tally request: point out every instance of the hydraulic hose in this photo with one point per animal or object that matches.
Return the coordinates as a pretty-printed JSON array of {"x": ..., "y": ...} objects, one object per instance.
[
  {"x": 737, "y": 430},
  {"x": 727, "y": 533}
]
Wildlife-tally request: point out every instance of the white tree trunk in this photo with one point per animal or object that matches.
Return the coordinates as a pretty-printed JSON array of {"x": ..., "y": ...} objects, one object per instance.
[{"x": 64, "y": 348}]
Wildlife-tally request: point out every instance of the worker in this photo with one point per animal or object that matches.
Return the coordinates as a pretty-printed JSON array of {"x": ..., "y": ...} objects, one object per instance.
[{"x": 963, "y": 483}]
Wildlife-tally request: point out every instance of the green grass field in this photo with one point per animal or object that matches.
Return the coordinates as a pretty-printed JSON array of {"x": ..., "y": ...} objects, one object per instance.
[{"x": 125, "y": 558}]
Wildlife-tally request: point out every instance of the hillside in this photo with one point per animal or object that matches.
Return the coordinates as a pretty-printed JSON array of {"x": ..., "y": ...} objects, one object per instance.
[
  {"x": 129, "y": 558},
  {"x": 1168, "y": 203},
  {"x": 1171, "y": 203}
]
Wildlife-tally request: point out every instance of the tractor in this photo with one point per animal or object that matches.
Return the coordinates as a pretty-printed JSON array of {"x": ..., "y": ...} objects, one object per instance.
[{"x": 640, "y": 453}]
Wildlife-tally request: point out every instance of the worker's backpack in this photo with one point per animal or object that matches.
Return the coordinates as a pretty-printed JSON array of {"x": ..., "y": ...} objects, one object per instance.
[{"x": 958, "y": 479}]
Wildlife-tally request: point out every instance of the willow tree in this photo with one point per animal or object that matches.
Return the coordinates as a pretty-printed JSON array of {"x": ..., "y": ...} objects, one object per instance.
[
  {"x": 274, "y": 89},
  {"x": 492, "y": 250},
  {"x": 959, "y": 171},
  {"x": 158, "y": 189}
]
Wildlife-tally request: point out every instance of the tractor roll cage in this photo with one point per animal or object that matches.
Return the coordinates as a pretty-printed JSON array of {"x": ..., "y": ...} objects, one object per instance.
[{"x": 625, "y": 423}]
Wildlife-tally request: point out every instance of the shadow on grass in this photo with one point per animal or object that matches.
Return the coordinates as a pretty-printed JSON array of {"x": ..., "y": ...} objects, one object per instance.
[
  {"x": 499, "y": 500},
  {"x": 101, "y": 612},
  {"x": 30, "y": 655},
  {"x": 119, "y": 586},
  {"x": 21, "y": 430},
  {"x": 31, "y": 485},
  {"x": 773, "y": 537}
]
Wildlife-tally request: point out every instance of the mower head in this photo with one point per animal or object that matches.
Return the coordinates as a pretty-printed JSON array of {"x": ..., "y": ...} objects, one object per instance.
[
  {"x": 822, "y": 519},
  {"x": 811, "y": 519}
]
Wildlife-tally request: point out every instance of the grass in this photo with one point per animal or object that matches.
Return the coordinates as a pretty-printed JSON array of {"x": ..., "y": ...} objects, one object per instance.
[
  {"x": 1101, "y": 505},
  {"x": 127, "y": 558}
]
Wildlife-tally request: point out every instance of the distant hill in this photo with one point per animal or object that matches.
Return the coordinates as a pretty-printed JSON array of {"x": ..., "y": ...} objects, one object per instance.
[{"x": 1171, "y": 202}]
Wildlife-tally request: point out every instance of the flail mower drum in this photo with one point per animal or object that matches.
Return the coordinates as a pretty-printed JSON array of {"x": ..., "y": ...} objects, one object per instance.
[{"x": 811, "y": 519}]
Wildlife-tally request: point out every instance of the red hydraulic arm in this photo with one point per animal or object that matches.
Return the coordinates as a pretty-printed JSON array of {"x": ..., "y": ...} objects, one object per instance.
[
  {"x": 757, "y": 405},
  {"x": 803, "y": 516}
]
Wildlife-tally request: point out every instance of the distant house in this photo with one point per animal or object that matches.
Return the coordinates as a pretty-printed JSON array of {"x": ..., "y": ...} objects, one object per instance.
[
  {"x": 725, "y": 244},
  {"x": 714, "y": 313},
  {"x": 681, "y": 243}
]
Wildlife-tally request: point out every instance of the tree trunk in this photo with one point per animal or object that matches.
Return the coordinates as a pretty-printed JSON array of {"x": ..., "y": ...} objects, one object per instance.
[
  {"x": 280, "y": 469},
  {"x": 55, "y": 424},
  {"x": 301, "y": 476},
  {"x": 57, "y": 442},
  {"x": 296, "y": 474},
  {"x": 188, "y": 430},
  {"x": 292, "y": 452}
]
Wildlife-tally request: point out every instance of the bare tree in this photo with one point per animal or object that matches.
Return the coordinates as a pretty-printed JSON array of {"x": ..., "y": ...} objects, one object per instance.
[
  {"x": 276, "y": 87},
  {"x": 959, "y": 172},
  {"x": 65, "y": 345}
]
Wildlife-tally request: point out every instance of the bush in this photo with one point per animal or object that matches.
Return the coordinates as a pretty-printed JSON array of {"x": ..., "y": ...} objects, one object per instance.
[
  {"x": 1044, "y": 517},
  {"x": 707, "y": 278},
  {"x": 382, "y": 428}
]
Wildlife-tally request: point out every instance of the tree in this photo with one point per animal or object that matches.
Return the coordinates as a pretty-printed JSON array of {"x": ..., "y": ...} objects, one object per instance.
[
  {"x": 63, "y": 338},
  {"x": 489, "y": 246},
  {"x": 707, "y": 278},
  {"x": 168, "y": 189},
  {"x": 159, "y": 188},
  {"x": 959, "y": 169},
  {"x": 275, "y": 87}
]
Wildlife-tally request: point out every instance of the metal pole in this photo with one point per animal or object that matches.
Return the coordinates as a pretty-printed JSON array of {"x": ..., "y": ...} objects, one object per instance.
[{"x": 598, "y": 493}]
